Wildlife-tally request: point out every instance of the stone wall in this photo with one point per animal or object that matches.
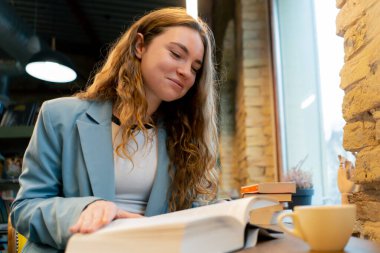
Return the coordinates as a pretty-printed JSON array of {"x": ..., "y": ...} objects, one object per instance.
[
  {"x": 358, "y": 23},
  {"x": 248, "y": 143}
]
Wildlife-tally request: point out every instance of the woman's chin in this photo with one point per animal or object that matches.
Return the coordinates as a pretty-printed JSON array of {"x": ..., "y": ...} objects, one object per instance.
[{"x": 171, "y": 97}]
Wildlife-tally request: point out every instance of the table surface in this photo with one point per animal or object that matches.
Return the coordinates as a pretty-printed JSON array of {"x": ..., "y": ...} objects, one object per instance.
[{"x": 290, "y": 244}]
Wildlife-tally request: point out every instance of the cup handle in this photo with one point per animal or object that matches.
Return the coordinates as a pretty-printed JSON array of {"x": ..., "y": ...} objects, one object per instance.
[{"x": 296, "y": 232}]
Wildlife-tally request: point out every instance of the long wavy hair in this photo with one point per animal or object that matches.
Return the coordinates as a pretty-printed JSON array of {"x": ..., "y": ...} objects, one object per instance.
[{"x": 190, "y": 122}]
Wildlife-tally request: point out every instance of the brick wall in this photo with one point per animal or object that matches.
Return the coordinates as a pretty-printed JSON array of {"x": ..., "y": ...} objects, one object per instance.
[
  {"x": 248, "y": 143},
  {"x": 358, "y": 23}
]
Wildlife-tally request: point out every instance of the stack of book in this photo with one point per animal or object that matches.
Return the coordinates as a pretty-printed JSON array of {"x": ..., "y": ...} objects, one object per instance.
[{"x": 280, "y": 191}]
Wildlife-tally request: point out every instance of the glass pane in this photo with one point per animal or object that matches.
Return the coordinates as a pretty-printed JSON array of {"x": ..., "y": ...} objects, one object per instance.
[
  {"x": 308, "y": 57},
  {"x": 300, "y": 93}
]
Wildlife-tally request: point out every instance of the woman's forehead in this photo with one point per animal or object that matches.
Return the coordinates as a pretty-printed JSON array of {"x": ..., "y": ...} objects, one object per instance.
[{"x": 186, "y": 38}]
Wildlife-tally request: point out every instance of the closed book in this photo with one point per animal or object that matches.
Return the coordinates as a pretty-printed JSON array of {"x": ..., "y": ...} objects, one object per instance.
[
  {"x": 281, "y": 197},
  {"x": 269, "y": 187},
  {"x": 213, "y": 228}
]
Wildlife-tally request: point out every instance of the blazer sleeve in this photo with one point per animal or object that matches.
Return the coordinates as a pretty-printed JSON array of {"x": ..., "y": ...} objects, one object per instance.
[{"x": 40, "y": 211}]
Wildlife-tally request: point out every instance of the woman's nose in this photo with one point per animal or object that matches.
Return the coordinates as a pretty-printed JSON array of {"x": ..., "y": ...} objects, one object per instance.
[{"x": 184, "y": 70}]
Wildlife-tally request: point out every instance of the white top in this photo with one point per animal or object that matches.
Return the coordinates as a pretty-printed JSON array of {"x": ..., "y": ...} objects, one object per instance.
[{"x": 134, "y": 178}]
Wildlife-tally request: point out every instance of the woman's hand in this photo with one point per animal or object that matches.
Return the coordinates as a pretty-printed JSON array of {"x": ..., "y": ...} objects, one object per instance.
[{"x": 98, "y": 214}]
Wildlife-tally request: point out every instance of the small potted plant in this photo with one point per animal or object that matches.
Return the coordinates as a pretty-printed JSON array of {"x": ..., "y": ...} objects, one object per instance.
[{"x": 304, "y": 184}]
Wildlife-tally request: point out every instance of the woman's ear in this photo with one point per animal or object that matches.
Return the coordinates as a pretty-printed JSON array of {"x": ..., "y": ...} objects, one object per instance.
[{"x": 139, "y": 45}]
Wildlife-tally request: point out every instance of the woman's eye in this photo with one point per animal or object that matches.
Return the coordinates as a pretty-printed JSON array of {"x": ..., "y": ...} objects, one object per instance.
[
  {"x": 195, "y": 71},
  {"x": 176, "y": 55}
]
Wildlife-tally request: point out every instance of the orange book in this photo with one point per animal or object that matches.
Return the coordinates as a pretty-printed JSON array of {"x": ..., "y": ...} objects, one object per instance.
[{"x": 269, "y": 187}]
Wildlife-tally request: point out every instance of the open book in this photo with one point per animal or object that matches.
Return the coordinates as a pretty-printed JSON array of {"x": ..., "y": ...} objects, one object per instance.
[{"x": 213, "y": 228}]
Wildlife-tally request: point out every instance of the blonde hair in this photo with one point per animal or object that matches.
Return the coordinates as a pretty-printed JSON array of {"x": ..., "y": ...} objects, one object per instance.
[{"x": 190, "y": 122}]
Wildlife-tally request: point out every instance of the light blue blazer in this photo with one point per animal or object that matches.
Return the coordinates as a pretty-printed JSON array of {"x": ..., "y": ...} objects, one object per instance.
[{"x": 69, "y": 164}]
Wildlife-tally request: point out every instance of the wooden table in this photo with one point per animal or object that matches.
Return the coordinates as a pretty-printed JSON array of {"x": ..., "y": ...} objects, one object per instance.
[{"x": 290, "y": 244}]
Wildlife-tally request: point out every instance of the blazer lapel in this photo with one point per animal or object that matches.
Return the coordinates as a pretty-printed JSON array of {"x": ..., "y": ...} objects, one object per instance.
[
  {"x": 157, "y": 203},
  {"x": 96, "y": 140}
]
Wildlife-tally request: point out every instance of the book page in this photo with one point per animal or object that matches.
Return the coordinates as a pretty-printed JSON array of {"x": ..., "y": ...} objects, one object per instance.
[
  {"x": 214, "y": 228},
  {"x": 237, "y": 209}
]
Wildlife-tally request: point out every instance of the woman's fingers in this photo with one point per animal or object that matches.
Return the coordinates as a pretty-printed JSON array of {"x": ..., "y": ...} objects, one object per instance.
[
  {"x": 93, "y": 221},
  {"x": 95, "y": 216},
  {"x": 109, "y": 214},
  {"x": 124, "y": 214},
  {"x": 87, "y": 223},
  {"x": 76, "y": 227},
  {"x": 99, "y": 214}
]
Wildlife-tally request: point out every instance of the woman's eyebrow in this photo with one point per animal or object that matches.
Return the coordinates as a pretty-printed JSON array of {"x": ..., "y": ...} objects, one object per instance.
[{"x": 184, "y": 48}]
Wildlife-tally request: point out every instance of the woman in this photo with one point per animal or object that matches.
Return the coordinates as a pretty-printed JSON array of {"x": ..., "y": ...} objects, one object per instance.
[{"x": 140, "y": 140}]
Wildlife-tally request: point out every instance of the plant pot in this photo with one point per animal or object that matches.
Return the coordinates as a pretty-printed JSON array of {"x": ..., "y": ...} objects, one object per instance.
[{"x": 302, "y": 197}]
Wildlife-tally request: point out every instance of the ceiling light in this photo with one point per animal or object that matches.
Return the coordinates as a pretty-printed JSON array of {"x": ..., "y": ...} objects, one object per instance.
[{"x": 51, "y": 66}]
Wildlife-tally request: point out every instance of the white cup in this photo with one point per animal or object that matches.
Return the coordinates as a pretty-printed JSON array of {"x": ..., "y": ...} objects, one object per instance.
[{"x": 323, "y": 228}]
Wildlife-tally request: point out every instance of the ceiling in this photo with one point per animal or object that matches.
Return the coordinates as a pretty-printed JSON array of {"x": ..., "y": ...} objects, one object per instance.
[{"x": 83, "y": 29}]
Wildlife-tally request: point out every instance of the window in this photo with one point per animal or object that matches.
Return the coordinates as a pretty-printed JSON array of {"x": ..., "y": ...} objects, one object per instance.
[{"x": 308, "y": 58}]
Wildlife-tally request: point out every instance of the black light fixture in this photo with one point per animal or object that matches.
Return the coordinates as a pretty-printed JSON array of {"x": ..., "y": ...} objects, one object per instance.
[{"x": 51, "y": 66}]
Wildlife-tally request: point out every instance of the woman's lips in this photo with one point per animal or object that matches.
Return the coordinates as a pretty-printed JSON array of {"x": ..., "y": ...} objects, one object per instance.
[{"x": 178, "y": 83}]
